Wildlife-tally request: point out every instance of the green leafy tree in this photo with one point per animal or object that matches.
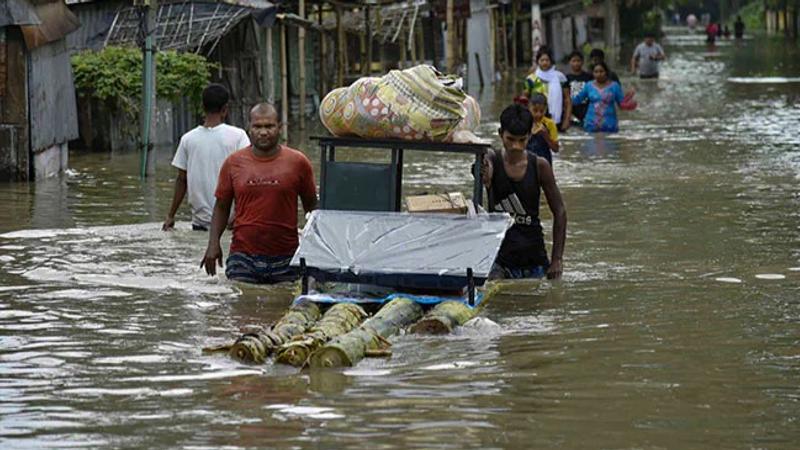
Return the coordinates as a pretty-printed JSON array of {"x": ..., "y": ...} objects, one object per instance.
[{"x": 114, "y": 76}]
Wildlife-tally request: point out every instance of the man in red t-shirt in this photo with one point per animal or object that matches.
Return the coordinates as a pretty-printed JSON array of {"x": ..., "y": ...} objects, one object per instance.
[{"x": 264, "y": 180}]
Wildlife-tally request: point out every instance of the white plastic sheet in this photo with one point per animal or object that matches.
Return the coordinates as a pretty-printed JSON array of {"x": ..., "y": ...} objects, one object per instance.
[{"x": 385, "y": 247}]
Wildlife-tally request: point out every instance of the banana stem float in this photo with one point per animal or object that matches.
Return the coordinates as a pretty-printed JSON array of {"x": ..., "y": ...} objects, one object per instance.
[
  {"x": 256, "y": 347},
  {"x": 338, "y": 320},
  {"x": 348, "y": 349},
  {"x": 444, "y": 318}
]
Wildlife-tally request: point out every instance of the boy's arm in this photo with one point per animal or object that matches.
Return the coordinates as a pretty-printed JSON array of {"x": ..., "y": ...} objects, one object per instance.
[
  {"x": 487, "y": 168},
  {"x": 550, "y": 135},
  {"x": 177, "y": 199},
  {"x": 219, "y": 220},
  {"x": 634, "y": 60},
  {"x": 566, "y": 118},
  {"x": 556, "y": 204}
]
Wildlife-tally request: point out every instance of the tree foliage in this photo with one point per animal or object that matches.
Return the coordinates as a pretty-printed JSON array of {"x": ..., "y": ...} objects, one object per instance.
[{"x": 114, "y": 75}]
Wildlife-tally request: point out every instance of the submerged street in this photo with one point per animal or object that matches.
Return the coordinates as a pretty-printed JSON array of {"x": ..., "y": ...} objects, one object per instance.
[{"x": 676, "y": 324}]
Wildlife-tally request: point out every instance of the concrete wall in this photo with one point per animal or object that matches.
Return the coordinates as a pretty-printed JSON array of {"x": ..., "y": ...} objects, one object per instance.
[{"x": 51, "y": 161}]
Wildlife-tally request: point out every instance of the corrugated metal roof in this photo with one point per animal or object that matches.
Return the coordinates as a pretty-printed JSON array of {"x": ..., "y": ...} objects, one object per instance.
[
  {"x": 56, "y": 22},
  {"x": 95, "y": 21},
  {"x": 17, "y": 12},
  {"x": 53, "y": 111},
  {"x": 256, "y": 4}
]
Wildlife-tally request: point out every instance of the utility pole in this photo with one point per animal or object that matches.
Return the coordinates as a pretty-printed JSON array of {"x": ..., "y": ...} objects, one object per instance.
[
  {"x": 301, "y": 51},
  {"x": 449, "y": 38},
  {"x": 149, "y": 12}
]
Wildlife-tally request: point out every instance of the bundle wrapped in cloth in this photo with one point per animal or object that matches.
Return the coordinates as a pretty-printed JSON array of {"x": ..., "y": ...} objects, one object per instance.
[{"x": 416, "y": 104}]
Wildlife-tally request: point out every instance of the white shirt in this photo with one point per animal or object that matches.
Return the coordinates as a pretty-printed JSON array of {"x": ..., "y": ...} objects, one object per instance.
[
  {"x": 201, "y": 153},
  {"x": 648, "y": 65}
]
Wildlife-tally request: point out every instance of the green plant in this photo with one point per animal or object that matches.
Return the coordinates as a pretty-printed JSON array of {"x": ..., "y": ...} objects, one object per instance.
[
  {"x": 114, "y": 75},
  {"x": 753, "y": 16}
]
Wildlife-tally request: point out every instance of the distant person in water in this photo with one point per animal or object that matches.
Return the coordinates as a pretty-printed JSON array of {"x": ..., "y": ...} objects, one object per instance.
[
  {"x": 647, "y": 56},
  {"x": 544, "y": 133},
  {"x": 711, "y": 33},
  {"x": 577, "y": 78},
  {"x": 691, "y": 21},
  {"x": 603, "y": 95},
  {"x": 599, "y": 56},
  {"x": 515, "y": 179},
  {"x": 738, "y": 28},
  {"x": 551, "y": 83},
  {"x": 200, "y": 155},
  {"x": 264, "y": 180}
]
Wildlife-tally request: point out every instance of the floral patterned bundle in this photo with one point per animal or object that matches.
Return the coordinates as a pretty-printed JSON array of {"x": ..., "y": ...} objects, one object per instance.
[{"x": 416, "y": 104}]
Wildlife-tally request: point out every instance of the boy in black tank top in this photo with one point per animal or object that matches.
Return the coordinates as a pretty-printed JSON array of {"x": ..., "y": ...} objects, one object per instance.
[{"x": 514, "y": 179}]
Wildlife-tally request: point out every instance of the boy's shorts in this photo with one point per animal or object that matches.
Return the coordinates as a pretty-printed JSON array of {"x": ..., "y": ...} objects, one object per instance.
[
  {"x": 260, "y": 269},
  {"x": 499, "y": 272}
]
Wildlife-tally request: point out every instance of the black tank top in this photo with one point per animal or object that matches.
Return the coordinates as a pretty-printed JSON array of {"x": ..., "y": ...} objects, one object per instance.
[{"x": 523, "y": 245}]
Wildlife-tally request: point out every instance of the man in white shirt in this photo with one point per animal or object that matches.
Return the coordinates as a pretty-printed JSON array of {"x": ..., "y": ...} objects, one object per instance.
[
  {"x": 647, "y": 57},
  {"x": 199, "y": 158}
]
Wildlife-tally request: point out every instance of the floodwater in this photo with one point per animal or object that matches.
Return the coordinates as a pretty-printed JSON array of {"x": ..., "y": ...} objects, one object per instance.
[{"x": 677, "y": 324}]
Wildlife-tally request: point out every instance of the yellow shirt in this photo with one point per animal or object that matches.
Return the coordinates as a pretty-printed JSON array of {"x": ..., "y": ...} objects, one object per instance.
[{"x": 551, "y": 127}]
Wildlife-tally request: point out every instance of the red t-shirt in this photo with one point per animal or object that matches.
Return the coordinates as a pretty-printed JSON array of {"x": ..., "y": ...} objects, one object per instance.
[{"x": 265, "y": 192}]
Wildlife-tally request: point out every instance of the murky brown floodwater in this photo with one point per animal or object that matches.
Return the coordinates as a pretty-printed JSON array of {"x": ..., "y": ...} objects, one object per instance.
[{"x": 661, "y": 334}]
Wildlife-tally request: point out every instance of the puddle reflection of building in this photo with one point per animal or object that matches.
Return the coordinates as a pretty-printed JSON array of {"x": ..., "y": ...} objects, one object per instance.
[
  {"x": 599, "y": 147},
  {"x": 51, "y": 204},
  {"x": 248, "y": 398}
]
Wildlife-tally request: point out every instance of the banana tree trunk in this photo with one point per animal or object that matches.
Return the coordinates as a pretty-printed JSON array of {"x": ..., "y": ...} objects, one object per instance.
[
  {"x": 256, "y": 347},
  {"x": 350, "y": 348},
  {"x": 443, "y": 318},
  {"x": 338, "y": 320}
]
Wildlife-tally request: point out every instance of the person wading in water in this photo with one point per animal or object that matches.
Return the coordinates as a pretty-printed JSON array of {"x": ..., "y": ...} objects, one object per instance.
[
  {"x": 264, "y": 180},
  {"x": 514, "y": 179}
]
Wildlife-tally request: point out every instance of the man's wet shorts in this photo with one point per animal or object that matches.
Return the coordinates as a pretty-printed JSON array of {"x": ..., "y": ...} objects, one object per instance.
[{"x": 260, "y": 269}]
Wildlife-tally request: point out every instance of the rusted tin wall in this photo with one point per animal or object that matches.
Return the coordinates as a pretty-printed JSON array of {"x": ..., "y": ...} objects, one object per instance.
[{"x": 14, "y": 148}]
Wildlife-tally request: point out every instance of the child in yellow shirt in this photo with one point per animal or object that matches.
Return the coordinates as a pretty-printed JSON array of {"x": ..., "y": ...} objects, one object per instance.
[{"x": 544, "y": 134}]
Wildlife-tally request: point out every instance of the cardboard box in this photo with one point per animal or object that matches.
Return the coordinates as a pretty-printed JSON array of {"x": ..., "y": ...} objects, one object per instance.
[{"x": 452, "y": 203}]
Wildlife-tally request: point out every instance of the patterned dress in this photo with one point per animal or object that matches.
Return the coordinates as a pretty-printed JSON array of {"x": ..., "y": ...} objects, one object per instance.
[{"x": 601, "y": 115}]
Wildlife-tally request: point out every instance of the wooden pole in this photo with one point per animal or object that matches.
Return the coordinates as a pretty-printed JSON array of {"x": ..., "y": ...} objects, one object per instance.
[
  {"x": 420, "y": 40},
  {"x": 284, "y": 86},
  {"x": 323, "y": 50},
  {"x": 381, "y": 45},
  {"x": 514, "y": 27},
  {"x": 450, "y": 38},
  {"x": 493, "y": 41},
  {"x": 403, "y": 50},
  {"x": 368, "y": 36},
  {"x": 269, "y": 73},
  {"x": 363, "y": 43},
  {"x": 412, "y": 46},
  {"x": 301, "y": 56},
  {"x": 340, "y": 49},
  {"x": 504, "y": 37}
]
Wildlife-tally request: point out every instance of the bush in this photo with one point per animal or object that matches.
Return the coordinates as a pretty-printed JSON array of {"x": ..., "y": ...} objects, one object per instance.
[
  {"x": 753, "y": 16},
  {"x": 114, "y": 76}
]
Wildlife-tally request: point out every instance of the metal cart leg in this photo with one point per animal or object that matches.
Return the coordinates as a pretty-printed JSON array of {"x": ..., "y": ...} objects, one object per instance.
[
  {"x": 470, "y": 286},
  {"x": 303, "y": 277}
]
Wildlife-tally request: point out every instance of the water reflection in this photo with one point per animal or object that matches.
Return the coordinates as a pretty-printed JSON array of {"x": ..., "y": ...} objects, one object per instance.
[{"x": 646, "y": 342}]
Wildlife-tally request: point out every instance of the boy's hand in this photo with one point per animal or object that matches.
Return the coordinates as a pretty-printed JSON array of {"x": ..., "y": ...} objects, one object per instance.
[
  {"x": 555, "y": 270},
  {"x": 540, "y": 128}
]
